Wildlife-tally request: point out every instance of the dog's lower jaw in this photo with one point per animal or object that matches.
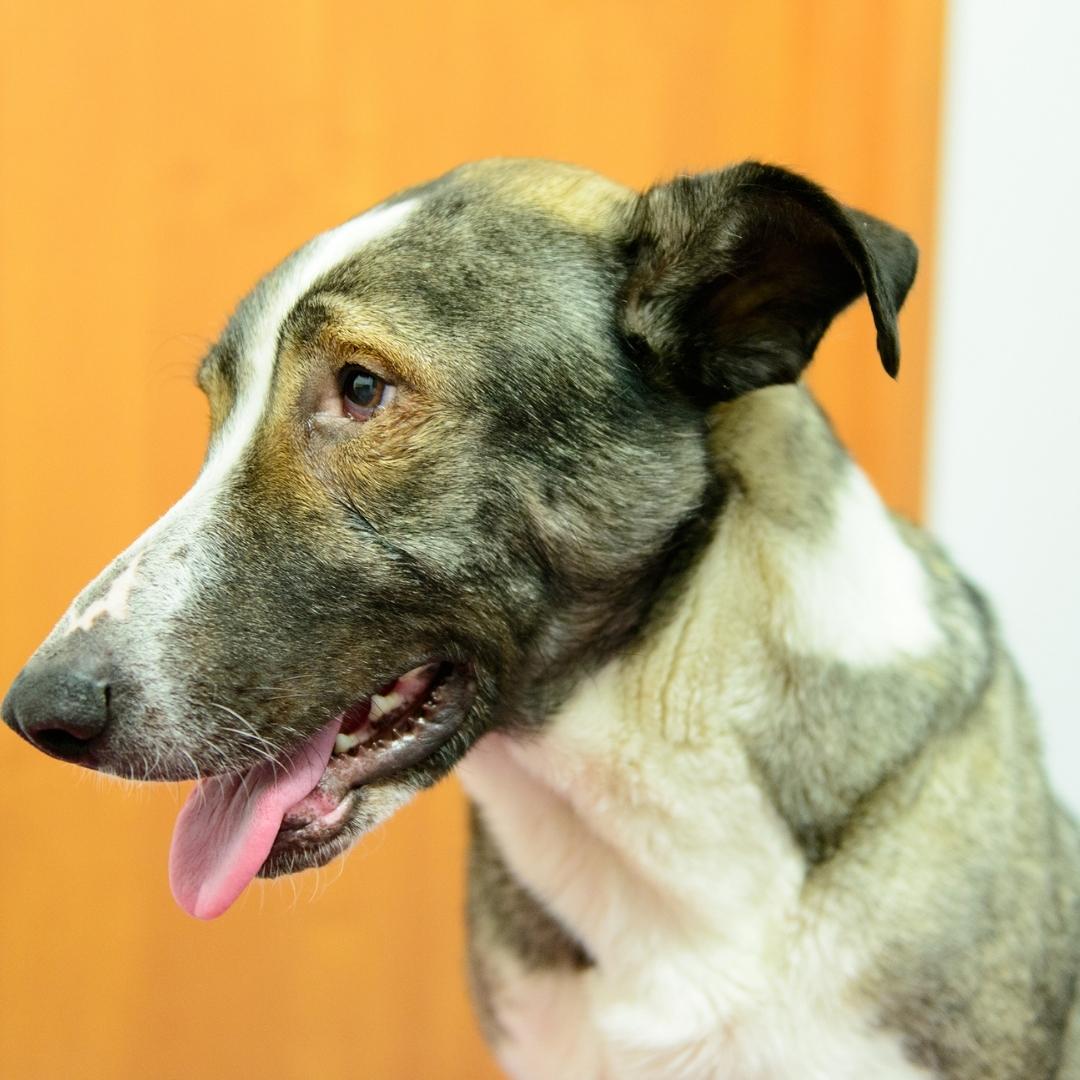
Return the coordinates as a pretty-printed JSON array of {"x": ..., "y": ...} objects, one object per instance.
[
  {"x": 362, "y": 810},
  {"x": 372, "y": 772}
]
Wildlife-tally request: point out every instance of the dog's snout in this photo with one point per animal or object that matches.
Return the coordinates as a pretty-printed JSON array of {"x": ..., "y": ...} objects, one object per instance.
[{"x": 59, "y": 707}]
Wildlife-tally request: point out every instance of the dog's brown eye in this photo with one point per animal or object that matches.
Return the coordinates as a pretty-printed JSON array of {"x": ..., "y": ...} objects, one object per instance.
[{"x": 363, "y": 392}]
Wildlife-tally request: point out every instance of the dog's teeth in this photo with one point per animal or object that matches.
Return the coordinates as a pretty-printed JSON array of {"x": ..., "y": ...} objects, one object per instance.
[
  {"x": 382, "y": 704},
  {"x": 344, "y": 743}
]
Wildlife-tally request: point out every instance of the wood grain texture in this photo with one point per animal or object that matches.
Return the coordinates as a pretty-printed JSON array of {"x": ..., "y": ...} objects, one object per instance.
[{"x": 154, "y": 160}]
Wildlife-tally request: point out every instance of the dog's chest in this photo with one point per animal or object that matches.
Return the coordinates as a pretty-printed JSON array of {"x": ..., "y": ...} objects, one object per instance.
[
  {"x": 590, "y": 1027},
  {"x": 705, "y": 962}
]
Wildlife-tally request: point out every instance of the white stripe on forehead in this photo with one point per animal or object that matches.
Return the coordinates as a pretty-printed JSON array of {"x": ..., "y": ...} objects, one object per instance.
[
  {"x": 272, "y": 303},
  {"x": 265, "y": 312}
]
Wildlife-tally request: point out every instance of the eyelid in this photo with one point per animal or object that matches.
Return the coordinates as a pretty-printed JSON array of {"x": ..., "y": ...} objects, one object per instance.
[{"x": 369, "y": 362}]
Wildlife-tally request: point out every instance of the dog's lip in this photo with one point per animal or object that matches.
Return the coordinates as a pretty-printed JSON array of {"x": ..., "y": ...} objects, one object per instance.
[{"x": 312, "y": 830}]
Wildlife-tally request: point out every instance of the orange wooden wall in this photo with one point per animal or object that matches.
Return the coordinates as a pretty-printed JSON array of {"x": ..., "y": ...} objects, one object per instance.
[{"x": 154, "y": 160}]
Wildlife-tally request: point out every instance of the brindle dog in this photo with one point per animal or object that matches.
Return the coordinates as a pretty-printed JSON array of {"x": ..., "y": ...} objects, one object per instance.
[{"x": 515, "y": 470}]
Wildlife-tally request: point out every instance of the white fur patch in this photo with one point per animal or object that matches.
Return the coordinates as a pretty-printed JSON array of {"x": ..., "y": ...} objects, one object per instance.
[
  {"x": 293, "y": 279},
  {"x": 114, "y": 604},
  {"x": 860, "y": 597},
  {"x": 669, "y": 864},
  {"x": 167, "y": 544}
]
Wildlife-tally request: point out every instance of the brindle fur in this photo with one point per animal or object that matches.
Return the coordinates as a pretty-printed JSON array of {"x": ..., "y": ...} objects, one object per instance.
[{"x": 587, "y": 397}]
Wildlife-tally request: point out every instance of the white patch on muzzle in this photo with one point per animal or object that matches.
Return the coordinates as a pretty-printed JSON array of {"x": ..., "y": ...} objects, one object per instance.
[
  {"x": 167, "y": 556},
  {"x": 114, "y": 604}
]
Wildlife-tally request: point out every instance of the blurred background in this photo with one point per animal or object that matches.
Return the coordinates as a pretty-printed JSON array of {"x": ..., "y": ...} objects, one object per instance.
[{"x": 156, "y": 159}]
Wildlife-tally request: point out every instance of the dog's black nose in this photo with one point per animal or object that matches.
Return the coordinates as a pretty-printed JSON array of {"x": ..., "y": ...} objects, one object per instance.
[{"x": 59, "y": 708}]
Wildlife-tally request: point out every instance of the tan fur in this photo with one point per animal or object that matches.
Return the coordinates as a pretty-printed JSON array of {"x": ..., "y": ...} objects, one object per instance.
[{"x": 580, "y": 198}]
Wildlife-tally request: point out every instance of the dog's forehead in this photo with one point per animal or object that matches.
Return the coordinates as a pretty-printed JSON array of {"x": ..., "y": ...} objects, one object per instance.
[
  {"x": 463, "y": 245},
  {"x": 569, "y": 195}
]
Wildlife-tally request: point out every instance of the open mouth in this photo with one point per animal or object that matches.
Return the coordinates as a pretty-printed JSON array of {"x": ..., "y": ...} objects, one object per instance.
[
  {"x": 287, "y": 815},
  {"x": 391, "y": 726},
  {"x": 400, "y": 726}
]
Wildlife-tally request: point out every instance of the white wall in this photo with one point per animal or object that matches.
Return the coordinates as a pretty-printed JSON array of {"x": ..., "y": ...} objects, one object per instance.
[{"x": 1004, "y": 478}]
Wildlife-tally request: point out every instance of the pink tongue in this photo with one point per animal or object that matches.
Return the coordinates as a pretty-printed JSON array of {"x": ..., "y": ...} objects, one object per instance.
[{"x": 227, "y": 827}]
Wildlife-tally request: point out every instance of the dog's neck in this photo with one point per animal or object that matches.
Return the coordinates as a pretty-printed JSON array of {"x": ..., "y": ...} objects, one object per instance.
[
  {"x": 673, "y": 814},
  {"x": 642, "y": 810}
]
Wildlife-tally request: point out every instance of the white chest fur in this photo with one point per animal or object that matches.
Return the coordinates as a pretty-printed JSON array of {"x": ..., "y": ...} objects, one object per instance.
[
  {"x": 707, "y": 965},
  {"x": 637, "y": 821}
]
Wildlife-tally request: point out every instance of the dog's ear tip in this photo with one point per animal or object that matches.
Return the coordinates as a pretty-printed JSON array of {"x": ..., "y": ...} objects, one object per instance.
[{"x": 889, "y": 351}]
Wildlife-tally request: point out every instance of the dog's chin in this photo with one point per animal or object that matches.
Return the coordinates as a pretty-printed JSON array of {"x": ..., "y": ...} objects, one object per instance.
[
  {"x": 320, "y": 842},
  {"x": 389, "y": 746}
]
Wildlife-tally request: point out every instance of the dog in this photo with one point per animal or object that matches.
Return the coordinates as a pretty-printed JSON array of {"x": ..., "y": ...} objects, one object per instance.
[{"x": 515, "y": 473}]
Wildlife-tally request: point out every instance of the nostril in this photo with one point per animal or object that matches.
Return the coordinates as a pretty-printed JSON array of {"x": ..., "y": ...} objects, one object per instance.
[
  {"x": 59, "y": 709},
  {"x": 60, "y": 743}
]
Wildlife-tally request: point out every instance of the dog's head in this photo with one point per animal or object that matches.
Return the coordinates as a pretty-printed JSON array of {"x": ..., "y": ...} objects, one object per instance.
[{"x": 458, "y": 450}]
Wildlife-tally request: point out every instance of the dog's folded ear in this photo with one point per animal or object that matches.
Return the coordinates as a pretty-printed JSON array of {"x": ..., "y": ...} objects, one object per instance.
[{"x": 736, "y": 275}]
